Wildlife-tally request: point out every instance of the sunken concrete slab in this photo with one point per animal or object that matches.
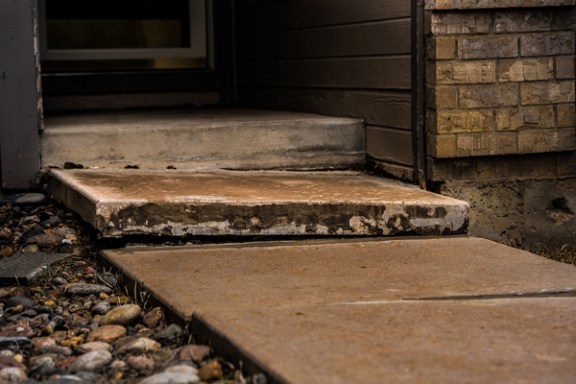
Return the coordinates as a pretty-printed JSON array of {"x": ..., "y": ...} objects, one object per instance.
[
  {"x": 202, "y": 138},
  {"x": 441, "y": 310},
  {"x": 25, "y": 268},
  {"x": 178, "y": 203}
]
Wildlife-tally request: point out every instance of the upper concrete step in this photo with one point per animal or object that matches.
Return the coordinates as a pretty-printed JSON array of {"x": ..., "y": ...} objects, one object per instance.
[
  {"x": 177, "y": 203},
  {"x": 202, "y": 138}
]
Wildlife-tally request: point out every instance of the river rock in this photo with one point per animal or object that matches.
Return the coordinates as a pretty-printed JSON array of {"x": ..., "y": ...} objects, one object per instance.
[
  {"x": 139, "y": 345},
  {"x": 12, "y": 375},
  {"x": 141, "y": 363},
  {"x": 194, "y": 352},
  {"x": 169, "y": 334},
  {"x": 16, "y": 330},
  {"x": 83, "y": 289},
  {"x": 101, "y": 308},
  {"x": 211, "y": 370},
  {"x": 153, "y": 317},
  {"x": 107, "y": 333},
  {"x": 123, "y": 315},
  {"x": 20, "y": 300},
  {"x": 94, "y": 346},
  {"x": 91, "y": 361},
  {"x": 171, "y": 377}
]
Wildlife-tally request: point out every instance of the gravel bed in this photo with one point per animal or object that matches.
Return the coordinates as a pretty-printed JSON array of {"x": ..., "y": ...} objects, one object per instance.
[{"x": 76, "y": 323}]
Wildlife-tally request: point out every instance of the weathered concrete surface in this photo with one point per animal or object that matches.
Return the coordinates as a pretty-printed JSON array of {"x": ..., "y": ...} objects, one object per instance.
[
  {"x": 205, "y": 138},
  {"x": 442, "y": 310},
  {"x": 181, "y": 203}
]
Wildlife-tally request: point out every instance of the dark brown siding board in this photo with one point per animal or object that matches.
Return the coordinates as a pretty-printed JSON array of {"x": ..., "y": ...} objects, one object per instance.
[
  {"x": 19, "y": 118},
  {"x": 385, "y": 108},
  {"x": 298, "y": 14},
  {"x": 389, "y": 144},
  {"x": 334, "y": 57},
  {"x": 371, "y": 73},
  {"x": 339, "y": 41}
]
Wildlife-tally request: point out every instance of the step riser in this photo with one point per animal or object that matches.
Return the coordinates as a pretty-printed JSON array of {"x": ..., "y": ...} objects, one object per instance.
[{"x": 284, "y": 141}]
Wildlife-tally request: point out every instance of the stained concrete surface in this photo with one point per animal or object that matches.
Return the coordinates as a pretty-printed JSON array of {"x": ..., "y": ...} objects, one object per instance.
[
  {"x": 197, "y": 137},
  {"x": 440, "y": 310},
  {"x": 177, "y": 203}
]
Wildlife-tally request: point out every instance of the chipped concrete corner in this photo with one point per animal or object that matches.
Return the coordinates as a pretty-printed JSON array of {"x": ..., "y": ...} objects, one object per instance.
[{"x": 277, "y": 220}]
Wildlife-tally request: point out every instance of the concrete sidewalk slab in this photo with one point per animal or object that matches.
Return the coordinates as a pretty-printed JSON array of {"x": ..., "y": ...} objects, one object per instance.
[
  {"x": 179, "y": 203},
  {"x": 443, "y": 310},
  {"x": 486, "y": 341}
]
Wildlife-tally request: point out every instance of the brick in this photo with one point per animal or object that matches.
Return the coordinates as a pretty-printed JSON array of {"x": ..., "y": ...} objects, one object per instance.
[
  {"x": 443, "y": 97},
  {"x": 546, "y": 141},
  {"x": 526, "y": 69},
  {"x": 565, "y": 67},
  {"x": 515, "y": 118},
  {"x": 442, "y": 146},
  {"x": 465, "y": 72},
  {"x": 460, "y": 23},
  {"x": 547, "y": 44},
  {"x": 490, "y": 4},
  {"x": 487, "y": 96},
  {"x": 566, "y": 115},
  {"x": 485, "y": 47},
  {"x": 522, "y": 21},
  {"x": 465, "y": 121},
  {"x": 556, "y": 92},
  {"x": 444, "y": 48},
  {"x": 486, "y": 144}
]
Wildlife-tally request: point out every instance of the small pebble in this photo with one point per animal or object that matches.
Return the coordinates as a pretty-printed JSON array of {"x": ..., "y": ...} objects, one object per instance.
[
  {"x": 141, "y": 363},
  {"x": 94, "y": 346},
  {"x": 153, "y": 317},
  {"x": 107, "y": 333},
  {"x": 101, "y": 308},
  {"x": 83, "y": 289},
  {"x": 193, "y": 352},
  {"x": 139, "y": 345},
  {"x": 211, "y": 370},
  {"x": 12, "y": 375},
  {"x": 20, "y": 300},
  {"x": 91, "y": 361},
  {"x": 171, "y": 377},
  {"x": 169, "y": 334},
  {"x": 124, "y": 315}
]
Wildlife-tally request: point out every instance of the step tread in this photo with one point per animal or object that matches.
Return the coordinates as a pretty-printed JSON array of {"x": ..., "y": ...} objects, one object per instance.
[
  {"x": 191, "y": 138},
  {"x": 254, "y": 203}
]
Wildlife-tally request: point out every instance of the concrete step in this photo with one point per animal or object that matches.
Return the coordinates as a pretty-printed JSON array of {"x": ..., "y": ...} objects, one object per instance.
[
  {"x": 202, "y": 138},
  {"x": 254, "y": 203},
  {"x": 427, "y": 310}
]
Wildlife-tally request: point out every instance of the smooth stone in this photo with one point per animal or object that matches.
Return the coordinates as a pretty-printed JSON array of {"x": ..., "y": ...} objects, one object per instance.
[
  {"x": 16, "y": 330},
  {"x": 45, "y": 240},
  {"x": 44, "y": 362},
  {"x": 123, "y": 315},
  {"x": 109, "y": 279},
  {"x": 107, "y": 333},
  {"x": 27, "y": 198},
  {"x": 194, "y": 352},
  {"x": 182, "y": 368},
  {"x": 141, "y": 363},
  {"x": 51, "y": 221},
  {"x": 94, "y": 346},
  {"x": 18, "y": 342},
  {"x": 91, "y": 361},
  {"x": 84, "y": 289},
  {"x": 153, "y": 317},
  {"x": 20, "y": 300},
  {"x": 169, "y": 334},
  {"x": 58, "y": 280},
  {"x": 210, "y": 370},
  {"x": 171, "y": 377},
  {"x": 12, "y": 375},
  {"x": 139, "y": 345},
  {"x": 101, "y": 308}
]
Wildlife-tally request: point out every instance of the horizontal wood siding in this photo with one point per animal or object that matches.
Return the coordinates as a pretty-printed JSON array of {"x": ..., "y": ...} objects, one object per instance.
[{"x": 334, "y": 57}]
